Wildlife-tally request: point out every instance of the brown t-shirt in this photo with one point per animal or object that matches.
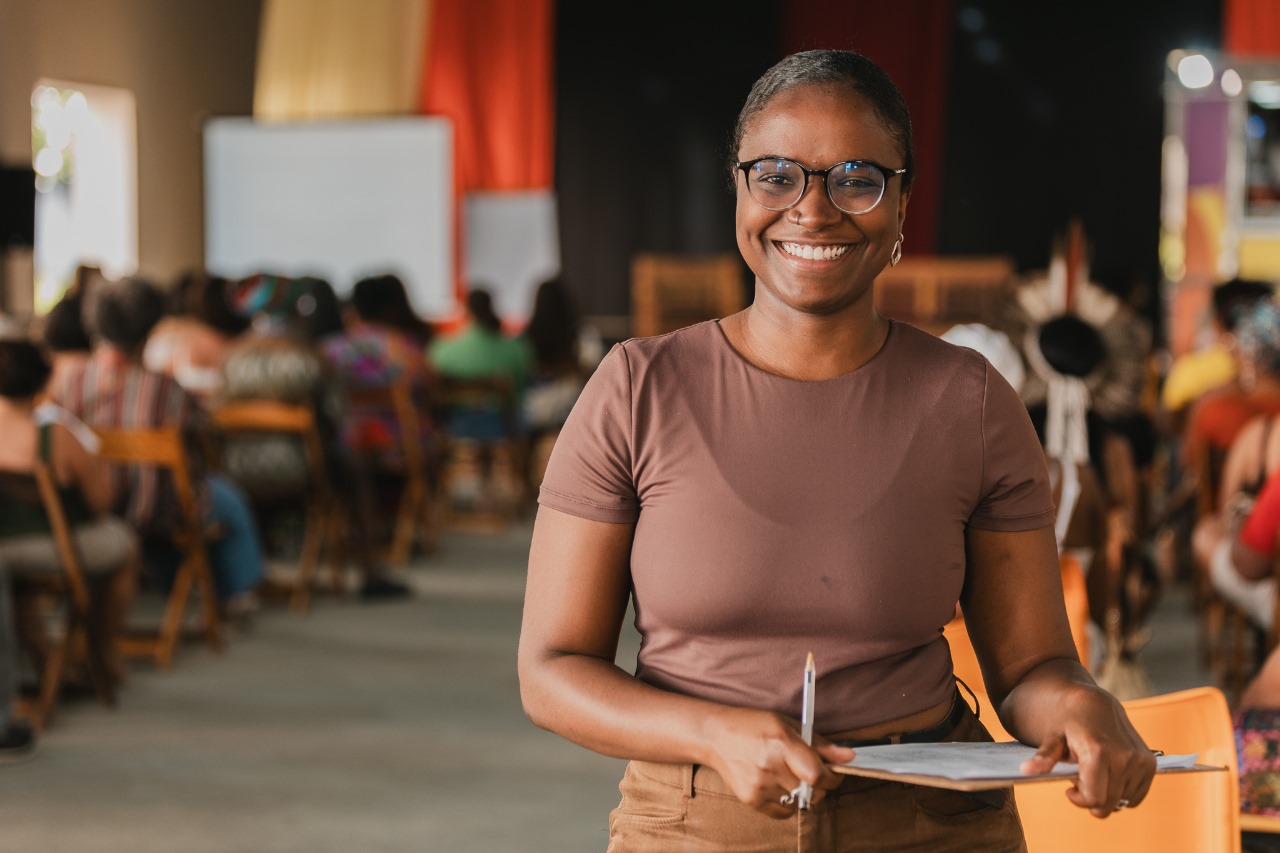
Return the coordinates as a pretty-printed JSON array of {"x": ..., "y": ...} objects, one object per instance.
[{"x": 775, "y": 516}]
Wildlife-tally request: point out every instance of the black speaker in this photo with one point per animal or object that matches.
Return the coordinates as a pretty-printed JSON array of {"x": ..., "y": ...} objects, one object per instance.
[{"x": 17, "y": 206}]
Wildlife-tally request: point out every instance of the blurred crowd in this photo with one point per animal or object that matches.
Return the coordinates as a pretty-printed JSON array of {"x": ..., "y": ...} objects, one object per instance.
[{"x": 457, "y": 416}]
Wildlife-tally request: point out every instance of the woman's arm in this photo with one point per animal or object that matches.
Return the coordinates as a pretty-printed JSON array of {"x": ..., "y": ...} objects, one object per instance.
[
  {"x": 575, "y": 601},
  {"x": 1014, "y": 610}
]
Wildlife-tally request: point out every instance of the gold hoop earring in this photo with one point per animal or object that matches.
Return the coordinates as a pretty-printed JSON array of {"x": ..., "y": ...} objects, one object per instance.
[{"x": 896, "y": 254}]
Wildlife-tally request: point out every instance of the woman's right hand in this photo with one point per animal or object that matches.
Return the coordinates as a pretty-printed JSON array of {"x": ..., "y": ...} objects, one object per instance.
[{"x": 762, "y": 758}]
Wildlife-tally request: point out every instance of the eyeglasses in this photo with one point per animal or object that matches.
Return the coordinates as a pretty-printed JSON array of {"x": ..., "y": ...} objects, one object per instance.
[{"x": 854, "y": 186}]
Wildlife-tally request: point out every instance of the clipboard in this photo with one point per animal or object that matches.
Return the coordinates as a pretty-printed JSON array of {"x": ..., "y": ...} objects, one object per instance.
[{"x": 977, "y": 766}]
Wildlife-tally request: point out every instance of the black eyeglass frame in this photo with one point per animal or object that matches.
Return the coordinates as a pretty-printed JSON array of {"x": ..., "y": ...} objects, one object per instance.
[{"x": 887, "y": 172}]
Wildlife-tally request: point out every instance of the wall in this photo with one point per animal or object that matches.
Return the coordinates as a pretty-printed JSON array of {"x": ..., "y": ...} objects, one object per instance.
[{"x": 183, "y": 60}]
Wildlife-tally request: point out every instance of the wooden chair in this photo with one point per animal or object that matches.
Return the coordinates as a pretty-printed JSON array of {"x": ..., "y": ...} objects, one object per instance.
[
  {"x": 165, "y": 449},
  {"x": 325, "y": 512},
  {"x": 1182, "y": 811},
  {"x": 490, "y": 511},
  {"x": 669, "y": 292},
  {"x": 415, "y": 522},
  {"x": 936, "y": 292},
  {"x": 69, "y": 585}
]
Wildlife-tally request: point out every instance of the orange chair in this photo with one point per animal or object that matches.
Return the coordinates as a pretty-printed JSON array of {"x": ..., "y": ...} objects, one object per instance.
[
  {"x": 965, "y": 660},
  {"x": 1183, "y": 811}
]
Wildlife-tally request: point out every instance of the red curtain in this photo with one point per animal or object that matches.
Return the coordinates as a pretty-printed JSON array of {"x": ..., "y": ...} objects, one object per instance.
[
  {"x": 910, "y": 39},
  {"x": 489, "y": 68},
  {"x": 1251, "y": 27}
]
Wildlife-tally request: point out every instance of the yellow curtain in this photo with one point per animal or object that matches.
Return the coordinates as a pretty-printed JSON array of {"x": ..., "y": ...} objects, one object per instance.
[{"x": 339, "y": 58}]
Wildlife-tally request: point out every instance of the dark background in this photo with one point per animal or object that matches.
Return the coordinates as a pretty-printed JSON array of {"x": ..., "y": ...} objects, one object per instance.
[{"x": 1052, "y": 111}]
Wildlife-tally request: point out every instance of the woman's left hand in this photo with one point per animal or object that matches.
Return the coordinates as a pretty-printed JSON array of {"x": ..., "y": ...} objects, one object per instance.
[{"x": 1116, "y": 767}]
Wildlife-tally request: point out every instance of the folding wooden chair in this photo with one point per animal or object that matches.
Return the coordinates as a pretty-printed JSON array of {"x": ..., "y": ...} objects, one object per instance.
[
  {"x": 1182, "y": 811},
  {"x": 492, "y": 510},
  {"x": 325, "y": 511},
  {"x": 69, "y": 585},
  {"x": 415, "y": 514},
  {"x": 669, "y": 292},
  {"x": 164, "y": 448}
]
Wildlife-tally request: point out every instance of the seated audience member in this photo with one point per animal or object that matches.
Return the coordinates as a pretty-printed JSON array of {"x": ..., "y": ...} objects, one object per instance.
[
  {"x": 279, "y": 359},
  {"x": 482, "y": 465},
  {"x": 1212, "y": 365},
  {"x": 191, "y": 342},
  {"x": 106, "y": 544},
  {"x": 1256, "y": 721},
  {"x": 1238, "y": 544},
  {"x": 1217, "y": 417},
  {"x": 113, "y": 389},
  {"x": 17, "y": 739},
  {"x": 481, "y": 350},
  {"x": 556, "y": 376},
  {"x": 383, "y": 343}
]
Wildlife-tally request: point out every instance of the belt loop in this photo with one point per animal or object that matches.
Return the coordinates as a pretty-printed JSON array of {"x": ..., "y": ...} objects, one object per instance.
[{"x": 686, "y": 779}]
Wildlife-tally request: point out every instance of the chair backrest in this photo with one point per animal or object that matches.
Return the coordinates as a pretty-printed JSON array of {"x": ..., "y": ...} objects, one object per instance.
[
  {"x": 1183, "y": 811},
  {"x": 267, "y": 417},
  {"x": 164, "y": 448},
  {"x": 397, "y": 398},
  {"x": 669, "y": 292}
]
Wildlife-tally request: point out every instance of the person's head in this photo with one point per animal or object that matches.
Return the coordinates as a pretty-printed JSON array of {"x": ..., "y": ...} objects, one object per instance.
[
  {"x": 1257, "y": 334},
  {"x": 24, "y": 369},
  {"x": 1071, "y": 346},
  {"x": 208, "y": 299},
  {"x": 122, "y": 313},
  {"x": 480, "y": 307},
  {"x": 553, "y": 325},
  {"x": 817, "y": 243},
  {"x": 384, "y": 299},
  {"x": 62, "y": 329},
  {"x": 1235, "y": 296},
  {"x": 315, "y": 311}
]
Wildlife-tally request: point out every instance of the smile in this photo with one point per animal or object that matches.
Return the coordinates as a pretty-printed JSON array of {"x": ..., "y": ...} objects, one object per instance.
[{"x": 814, "y": 253}]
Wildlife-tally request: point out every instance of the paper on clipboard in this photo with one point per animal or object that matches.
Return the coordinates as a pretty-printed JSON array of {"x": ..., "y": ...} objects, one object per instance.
[{"x": 973, "y": 766}]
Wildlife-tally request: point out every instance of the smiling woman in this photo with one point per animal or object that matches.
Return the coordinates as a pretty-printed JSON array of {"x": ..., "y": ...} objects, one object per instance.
[{"x": 805, "y": 476}]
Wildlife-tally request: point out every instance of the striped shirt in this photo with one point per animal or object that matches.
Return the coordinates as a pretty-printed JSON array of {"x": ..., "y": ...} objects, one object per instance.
[{"x": 107, "y": 391}]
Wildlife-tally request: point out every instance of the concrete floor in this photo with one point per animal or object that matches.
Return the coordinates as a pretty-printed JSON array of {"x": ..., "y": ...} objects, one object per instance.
[{"x": 359, "y": 727}]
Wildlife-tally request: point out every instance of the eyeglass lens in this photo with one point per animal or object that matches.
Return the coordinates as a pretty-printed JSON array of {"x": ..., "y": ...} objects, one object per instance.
[{"x": 853, "y": 186}]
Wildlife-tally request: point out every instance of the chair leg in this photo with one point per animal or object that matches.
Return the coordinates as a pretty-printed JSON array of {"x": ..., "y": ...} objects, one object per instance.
[
  {"x": 309, "y": 561},
  {"x": 208, "y": 600},
  {"x": 410, "y": 510},
  {"x": 175, "y": 610}
]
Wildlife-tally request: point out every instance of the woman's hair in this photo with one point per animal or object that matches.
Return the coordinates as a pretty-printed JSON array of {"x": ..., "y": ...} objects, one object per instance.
[
  {"x": 1257, "y": 334},
  {"x": 315, "y": 311},
  {"x": 831, "y": 68},
  {"x": 480, "y": 305},
  {"x": 384, "y": 299},
  {"x": 124, "y": 312},
  {"x": 1233, "y": 297},
  {"x": 553, "y": 326},
  {"x": 63, "y": 327},
  {"x": 24, "y": 369},
  {"x": 208, "y": 299}
]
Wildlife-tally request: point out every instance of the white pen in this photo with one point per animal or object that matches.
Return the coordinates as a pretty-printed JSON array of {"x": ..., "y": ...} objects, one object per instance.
[{"x": 806, "y": 722}]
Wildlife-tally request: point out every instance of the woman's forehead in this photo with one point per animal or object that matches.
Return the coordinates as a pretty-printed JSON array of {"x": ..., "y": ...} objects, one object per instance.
[{"x": 824, "y": 123}]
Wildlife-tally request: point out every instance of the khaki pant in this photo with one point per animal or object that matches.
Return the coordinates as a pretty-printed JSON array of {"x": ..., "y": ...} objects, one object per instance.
[{"x": 674, "y": 808}]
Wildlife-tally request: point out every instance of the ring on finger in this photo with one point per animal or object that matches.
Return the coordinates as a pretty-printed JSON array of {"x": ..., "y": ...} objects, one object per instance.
[{"x": 1121, "y": 804}]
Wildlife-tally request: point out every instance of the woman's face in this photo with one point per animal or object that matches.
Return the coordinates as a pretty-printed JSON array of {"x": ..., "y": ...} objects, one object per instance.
[{"x": 818, "y": 126}]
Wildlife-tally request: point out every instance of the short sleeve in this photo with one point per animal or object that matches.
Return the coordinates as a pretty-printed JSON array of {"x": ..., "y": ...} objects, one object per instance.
[
  {"x": 1015, "y": 477},
  {"x": 1259, "y": 531},
  {"x": 590, "y": 472}
]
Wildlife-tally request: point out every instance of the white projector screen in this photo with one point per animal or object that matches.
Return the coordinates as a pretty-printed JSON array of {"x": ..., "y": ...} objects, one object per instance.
[{"x": 339, "y": 200}]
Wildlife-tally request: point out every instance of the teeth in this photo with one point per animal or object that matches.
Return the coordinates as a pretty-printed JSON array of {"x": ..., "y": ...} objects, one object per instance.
[{"x": 821, "y": 253}]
